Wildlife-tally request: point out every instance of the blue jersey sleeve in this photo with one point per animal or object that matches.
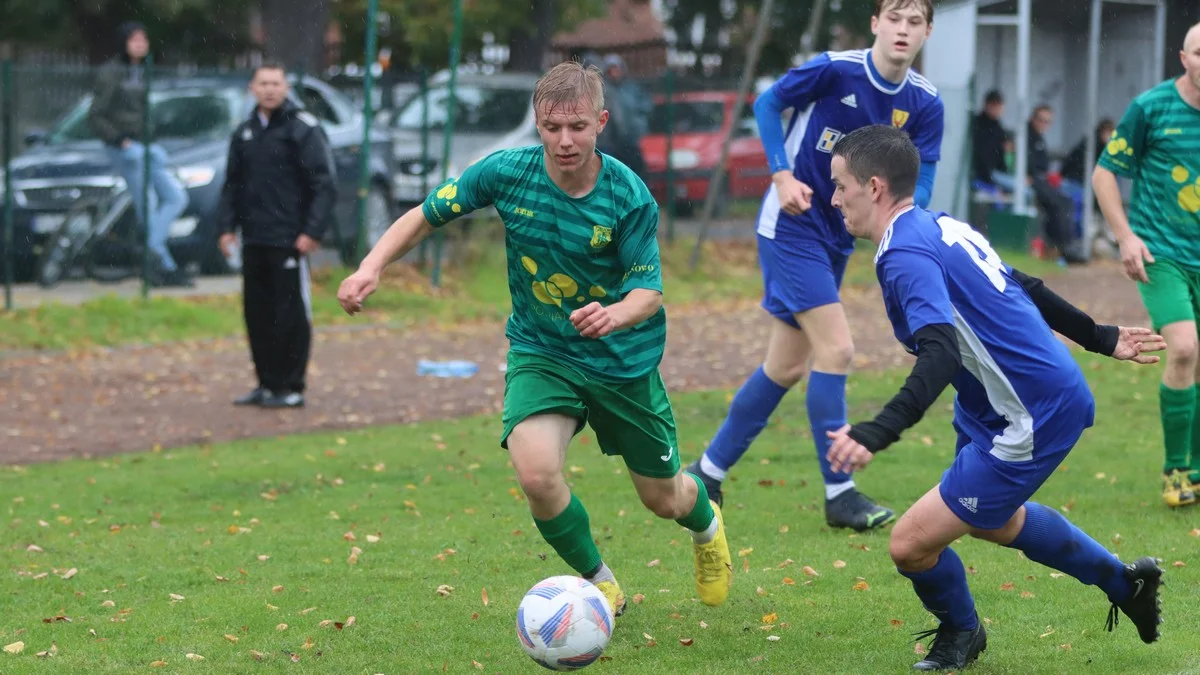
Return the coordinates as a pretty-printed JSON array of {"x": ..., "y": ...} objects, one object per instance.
[
  {"x": 796, "y": 89},
  {"x": 924, "y": 191},
  {"x": 915, "y": 282},
  {"x": 927, "y": 133}
]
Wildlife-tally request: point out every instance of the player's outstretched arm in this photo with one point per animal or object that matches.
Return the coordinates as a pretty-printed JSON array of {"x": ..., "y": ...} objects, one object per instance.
[
  {"x": 938, "y": 359},
  {"x": 1120, "y": 342},
  {"x": 400, "y": 238}
]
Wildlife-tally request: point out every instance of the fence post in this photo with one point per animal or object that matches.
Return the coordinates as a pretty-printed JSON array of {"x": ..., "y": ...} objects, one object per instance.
[
  {"x": 670, "y": 187},
  {"x": 424, "y": 92},
  {"x": 364, "y": 151},
  {"x": 148, "y": 66},
  {"x": 7, "y": 121},
  {"x": 455, "y": 48}
]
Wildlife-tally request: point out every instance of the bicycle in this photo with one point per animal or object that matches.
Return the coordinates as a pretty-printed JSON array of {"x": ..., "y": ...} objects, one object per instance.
[{"x": 90, "y": 234}]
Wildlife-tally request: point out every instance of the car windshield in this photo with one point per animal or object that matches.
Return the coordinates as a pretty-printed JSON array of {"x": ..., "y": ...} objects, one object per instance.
[
  {"x": 477, "y": 109},
  {"x": 688, "y": 117},
  {"x": 197, "y": 114}
]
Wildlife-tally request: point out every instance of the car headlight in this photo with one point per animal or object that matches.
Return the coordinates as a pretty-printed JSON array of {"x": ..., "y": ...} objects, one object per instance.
[
  {"x": 684, "y": 159},
  {"x": 196, "y": 176}
]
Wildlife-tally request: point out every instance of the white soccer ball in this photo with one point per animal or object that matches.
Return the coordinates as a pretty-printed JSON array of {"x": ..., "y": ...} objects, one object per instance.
[{"x": 564, "y": 623}]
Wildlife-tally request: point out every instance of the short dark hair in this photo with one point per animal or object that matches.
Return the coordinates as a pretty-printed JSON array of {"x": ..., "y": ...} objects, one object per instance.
[
  {"x": 926, "y": 7},
  {"x": 993, "y": 96},
  {"x": 881, "y": 151},
  {"x": 269, "y": 64}
]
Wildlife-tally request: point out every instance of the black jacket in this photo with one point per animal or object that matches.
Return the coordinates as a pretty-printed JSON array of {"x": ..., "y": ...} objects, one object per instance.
[
  {"x": 279, "y": 181},
  {"x": 119, "y": 106},
  {"x": 987, "y": 147},
  {"x": 1039, "y": 156}
]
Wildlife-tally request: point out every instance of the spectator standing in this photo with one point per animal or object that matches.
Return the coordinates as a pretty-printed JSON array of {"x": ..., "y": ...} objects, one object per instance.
[
  {"x": 117, "y": 117},
  {"x": 279, "y": 193},
  {"x": 988, "y": 142}
]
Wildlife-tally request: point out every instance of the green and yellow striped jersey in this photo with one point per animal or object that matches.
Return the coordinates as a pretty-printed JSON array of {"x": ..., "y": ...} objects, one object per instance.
[
  {"x": 565, "y": 253},
  {"x": 1157, "y": 144}
]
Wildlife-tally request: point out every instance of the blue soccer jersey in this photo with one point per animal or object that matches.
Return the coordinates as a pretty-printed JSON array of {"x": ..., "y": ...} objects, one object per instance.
[
  {"x": 831, "y": 95},
  {"x": 1019, "y": 387}
]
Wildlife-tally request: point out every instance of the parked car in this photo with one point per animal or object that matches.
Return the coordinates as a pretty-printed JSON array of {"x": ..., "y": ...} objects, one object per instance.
[
  {"x": 492, "y": 112},
  {"x": 194, "y": 119},
  {"x": 698, "y": 122}
]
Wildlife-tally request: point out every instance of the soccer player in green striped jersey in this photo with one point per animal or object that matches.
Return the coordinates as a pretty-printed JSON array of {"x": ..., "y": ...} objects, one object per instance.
[
  {"x": 1157, "y": 145},
  {"x": 587, "y": 329}
]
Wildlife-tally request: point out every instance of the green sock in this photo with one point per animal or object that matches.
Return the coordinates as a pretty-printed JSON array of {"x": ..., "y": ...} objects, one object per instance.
[
  {"x": 570, "y": 533},
  {"x": 702, "y": 514},
  {"x": 1178, "y": 410},
  {"x": 1195, "y": 475}
]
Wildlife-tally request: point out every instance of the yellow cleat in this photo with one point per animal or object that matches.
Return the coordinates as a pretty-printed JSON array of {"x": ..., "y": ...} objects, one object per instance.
[
  {"x": 1178, "y": 490},
  {"x": 714, "y": 566},
  {"x": 616, "y": 599}
]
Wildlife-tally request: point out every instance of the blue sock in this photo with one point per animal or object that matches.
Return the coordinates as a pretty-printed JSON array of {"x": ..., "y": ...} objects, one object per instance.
[
  {"x": 1052, "y": 540},
  {"x": 943, "y": 590},
  {"x": 826, "y": 412},
  {"x": 748, "y": 414}
]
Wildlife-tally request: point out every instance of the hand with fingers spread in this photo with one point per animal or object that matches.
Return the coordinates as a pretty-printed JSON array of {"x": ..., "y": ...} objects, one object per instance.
[
  {"x": 1133, "y": 343},
  {"x": 593, "y": 320},
  {"x": 846, "y": 455}
]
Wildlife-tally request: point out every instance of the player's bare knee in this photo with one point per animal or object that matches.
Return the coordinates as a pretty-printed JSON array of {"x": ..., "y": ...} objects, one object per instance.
[
  {"x": 834, "y": 357},
  {"x": 539, "y": 483},
  {"x": 1182, "y": 354},
  {"x": 663, "y": 503},
  {"x": 784, "y": 374},
  {"x": 909, "y": 553}
]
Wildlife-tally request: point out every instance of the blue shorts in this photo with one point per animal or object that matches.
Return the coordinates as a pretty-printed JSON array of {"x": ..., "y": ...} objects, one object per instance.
[
  {"x": 985, "y": 491},
  {"x": 798, "y": 276}
]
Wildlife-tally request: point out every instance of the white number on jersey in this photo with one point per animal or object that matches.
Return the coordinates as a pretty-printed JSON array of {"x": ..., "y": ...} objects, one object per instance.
[{"x": 977, "y": 248}]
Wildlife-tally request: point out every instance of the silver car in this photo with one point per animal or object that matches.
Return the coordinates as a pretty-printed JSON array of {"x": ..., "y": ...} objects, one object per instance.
[{"x": 492, "y": 112}]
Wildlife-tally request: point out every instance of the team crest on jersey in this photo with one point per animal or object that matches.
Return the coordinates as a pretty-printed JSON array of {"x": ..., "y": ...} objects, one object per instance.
[
  {"x": 899, "y": 117},
  {"x": 601, "y": 236},
  {"x": 829, "y": 138}
]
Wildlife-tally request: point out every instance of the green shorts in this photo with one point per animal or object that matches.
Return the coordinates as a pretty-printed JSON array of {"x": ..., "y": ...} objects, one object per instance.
[
  {"x": 632, "y": 419},
  {"x": 1172, "y": 295}
]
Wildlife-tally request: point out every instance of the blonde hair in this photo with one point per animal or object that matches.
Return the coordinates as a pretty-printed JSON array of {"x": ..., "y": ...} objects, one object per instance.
[{"x": 568, "y": 83}]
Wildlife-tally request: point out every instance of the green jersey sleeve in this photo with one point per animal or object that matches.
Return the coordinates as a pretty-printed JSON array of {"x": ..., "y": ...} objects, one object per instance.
[
  {"x": 637, "y": 247},
  {"x": 474, "y": 189},
  {"x": 1123, "y": 153}
]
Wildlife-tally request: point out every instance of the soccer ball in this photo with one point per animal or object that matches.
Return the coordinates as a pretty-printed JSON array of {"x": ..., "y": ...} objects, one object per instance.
[{"x": 564, "y": 623}]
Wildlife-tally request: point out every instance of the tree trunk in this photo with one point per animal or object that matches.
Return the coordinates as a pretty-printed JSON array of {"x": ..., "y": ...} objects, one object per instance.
[
  {"x": 295, "y": 32},
  {"x": 527, "y": 46}
]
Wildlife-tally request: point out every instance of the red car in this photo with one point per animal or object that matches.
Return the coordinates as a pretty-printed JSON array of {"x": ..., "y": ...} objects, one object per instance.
[{"x": 699, "y": 121}]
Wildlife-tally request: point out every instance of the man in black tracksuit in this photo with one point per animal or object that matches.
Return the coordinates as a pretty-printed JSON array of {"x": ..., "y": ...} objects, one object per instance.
[{"x": 279, "y": 192}]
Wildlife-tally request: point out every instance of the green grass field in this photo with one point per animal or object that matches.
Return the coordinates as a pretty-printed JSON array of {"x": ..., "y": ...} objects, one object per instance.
[
  {"x": 255, "y": 555},
  {"x": 474, "y": 288}
]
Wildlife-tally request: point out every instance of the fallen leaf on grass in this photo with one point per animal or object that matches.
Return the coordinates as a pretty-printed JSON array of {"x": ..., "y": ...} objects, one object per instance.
[
  {"x": 704, "y": 624},
  {"x": 686, "y": 642},
  {"x": 325, "y": 623},
  {"x": 638, "y": 598},
  {"x": 773, "y": 638},
  {"x": 745, "y": 552},
  {"x": 281, "y": 627},
  {"x": 157, "y": 664},
  {"x": 258, "y": 656},
  {"x": 810, "y": 572},
  {"x": 861, "y": 586},
  {"x": 175, "y": 597},
  {"x": 34, "y": 548},
  {"x": 70, "y": 573},
  {"x": 761, "y": 591},
  {"x": 919, "y": 648},
  {"x": 271, "y": 607},
  {"x": 231, "y": 638},
  {"x": 478, "y": 665},
  {"x": 295, "y": 658},
  {"x": 307, "y": 610},
  {"x": 839, "y": 564},
  {"x": 277, "y": 589},
  {"x": 653, "y": 563},
  {"x": 445, "y": 590},
  {"x": 221, "y": 578},
  {"x": 1195, "y": 532},
  {"x": 308, "y": 643},
  {"x": 372, "y": 539},
  {"x": 1049, "y": 632},
  {"x": 783, "y": 529},
  {"x": 770, "y": 618},
  {"x": 1007, "y": 586},
  {"x": 349, "y": 536},
  {"x": 194, "y": 657},
  {"x": 1026, "y": 594},
  {"x": 263, "y": 558},
  {"x": 896, "y": 622},
  {"x": 61, "y": 618},
  {"x": 1178, "y": 563},
  {"x": 788, "y": 581},
  {"x": 1066, "y": 647},
  {"x": 745, "y": 565},
  {"x": 1057, "y": 575},
  {"x": 15, "y": 648},
  {"x": 785, "y": 563},
  {"x": 484, "y": 597}
]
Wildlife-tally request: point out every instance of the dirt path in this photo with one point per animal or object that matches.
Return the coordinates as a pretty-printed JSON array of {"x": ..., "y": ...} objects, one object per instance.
[{"x": 58, "y": 406}]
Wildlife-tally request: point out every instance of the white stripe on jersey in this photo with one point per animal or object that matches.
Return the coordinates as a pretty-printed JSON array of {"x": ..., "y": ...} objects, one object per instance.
[
  {"x": 881, "y": 85},
  {"x": 886, "y": 239},
  {"x": 856, "y": 55},
  {"x": 921, "y": 83},
  {"x": 768, "y": 215},
  {"x": 1016, "y": 443}
]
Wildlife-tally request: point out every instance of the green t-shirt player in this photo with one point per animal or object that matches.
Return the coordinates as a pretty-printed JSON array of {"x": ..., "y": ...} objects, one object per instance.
[
  {"x": 587, "y": 329},
  {"x": 1157, "y": 145}
]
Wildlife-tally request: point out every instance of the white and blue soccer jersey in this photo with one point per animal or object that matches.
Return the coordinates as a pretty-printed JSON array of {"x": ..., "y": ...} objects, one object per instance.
[
  {"x": 832, "y": 95},
  {"x": 1021, "y": 395}
]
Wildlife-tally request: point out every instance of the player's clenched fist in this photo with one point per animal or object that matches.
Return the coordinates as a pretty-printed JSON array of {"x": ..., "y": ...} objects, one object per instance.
[
  {"x": 795, "y": 197},
  {"x": 593, "y": 321},
  {"x": 355, "y": 289}
]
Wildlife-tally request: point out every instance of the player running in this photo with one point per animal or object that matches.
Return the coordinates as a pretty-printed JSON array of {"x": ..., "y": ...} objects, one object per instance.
[
  {"x": 1022, "y": 401},
  {"x": 803, "y": 247},
  {"x": 587, "y": 329},
  {"x": 1157, "y": 145}
]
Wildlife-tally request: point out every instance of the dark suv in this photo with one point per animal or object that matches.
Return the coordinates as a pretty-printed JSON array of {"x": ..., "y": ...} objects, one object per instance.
[{"x": 193, "y": 119}]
